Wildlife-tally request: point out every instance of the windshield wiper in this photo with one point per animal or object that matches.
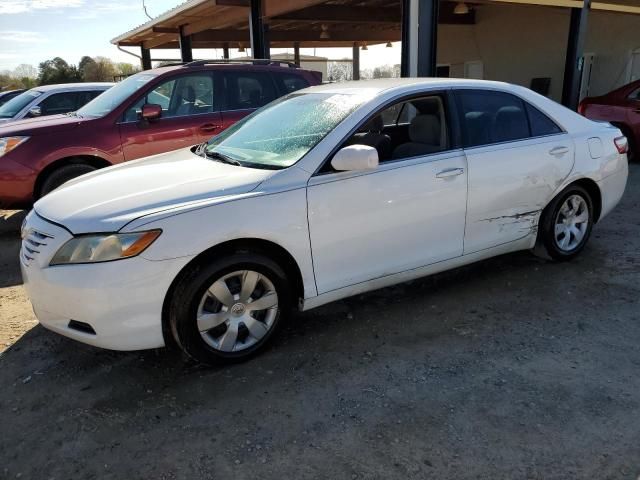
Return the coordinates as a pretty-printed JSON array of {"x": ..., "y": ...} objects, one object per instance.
[{"x": 221, "y": 157}]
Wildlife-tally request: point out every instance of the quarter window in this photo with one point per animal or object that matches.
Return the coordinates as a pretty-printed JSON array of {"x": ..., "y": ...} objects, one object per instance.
[
  {"x": 292, "y": 83},
  {"x": 541, "y": 125}
]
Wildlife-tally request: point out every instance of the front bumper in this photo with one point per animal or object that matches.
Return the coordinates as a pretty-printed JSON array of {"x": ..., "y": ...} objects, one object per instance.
[
  {"x": 16, "y": 183},
  {"x": 121, "y": 300}
]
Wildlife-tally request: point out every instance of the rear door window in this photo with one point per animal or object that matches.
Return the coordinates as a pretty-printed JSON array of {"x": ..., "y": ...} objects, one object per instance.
[
  {"x": 492, "y": 117},
  {"x": 248, "y": 90}
]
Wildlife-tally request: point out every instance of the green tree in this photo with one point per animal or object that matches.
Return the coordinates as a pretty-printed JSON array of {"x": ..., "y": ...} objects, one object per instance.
[
  {"x": 100, "y": 70},
  {"x": 57, "y": 71},
  {"x": 127, "y": 69},
  {"x": 84, "y": 63}
]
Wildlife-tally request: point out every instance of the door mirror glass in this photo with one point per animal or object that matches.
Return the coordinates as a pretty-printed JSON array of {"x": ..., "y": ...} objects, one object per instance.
[
  {"x": 151, "y": 111},
  {"x": 355, "y": 158},
  {"x": 35, "y": 112}
]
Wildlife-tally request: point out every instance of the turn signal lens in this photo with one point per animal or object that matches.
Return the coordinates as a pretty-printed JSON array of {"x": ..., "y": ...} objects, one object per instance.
[
  {"x": 104, "y": 247},
  {"x": 622, "y": 144},
  {"x": 9, "y": 143}
]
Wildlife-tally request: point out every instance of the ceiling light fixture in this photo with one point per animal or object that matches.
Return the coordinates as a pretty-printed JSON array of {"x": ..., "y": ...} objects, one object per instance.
[
  {"x": 364, "y": 47},
  {"x": 461, "y": 8},
  {"x": 389, "y": 45},
  {"x": 240, "y": 48},
  {"x": 324, "y": 34}
]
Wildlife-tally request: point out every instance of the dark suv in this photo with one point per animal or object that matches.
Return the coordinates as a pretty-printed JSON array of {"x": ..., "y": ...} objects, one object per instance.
[{"x": 152, "y": 112}]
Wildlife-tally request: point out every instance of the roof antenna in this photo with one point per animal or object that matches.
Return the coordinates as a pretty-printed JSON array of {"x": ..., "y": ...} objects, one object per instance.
[{"x": 145, "y": 11}]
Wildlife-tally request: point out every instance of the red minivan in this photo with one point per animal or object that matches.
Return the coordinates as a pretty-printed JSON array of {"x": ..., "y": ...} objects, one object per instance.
[{"x": 151, "y": 112}]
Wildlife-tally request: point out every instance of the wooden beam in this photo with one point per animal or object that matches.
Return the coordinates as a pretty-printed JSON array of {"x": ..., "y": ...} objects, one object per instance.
[
  {"x": 343, "y": 14},
  {"x": 351, "y": 35},
  {"x": 159, "y": 40},
  {"x": 234, "y": 3},
  {"x": 165, "y": 30}
]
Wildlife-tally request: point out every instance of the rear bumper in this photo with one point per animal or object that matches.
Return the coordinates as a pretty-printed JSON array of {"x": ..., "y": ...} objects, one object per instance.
[
  {"x": 612, "y": 188},
  {"x": 16, "y": 184}
]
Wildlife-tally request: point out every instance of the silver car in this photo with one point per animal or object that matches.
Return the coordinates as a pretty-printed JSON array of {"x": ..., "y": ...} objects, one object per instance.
[{"x": 51, "y": 100}]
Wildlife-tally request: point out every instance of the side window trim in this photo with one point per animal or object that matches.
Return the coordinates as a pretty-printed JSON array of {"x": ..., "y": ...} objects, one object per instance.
[{"x": 443, "y": 93}]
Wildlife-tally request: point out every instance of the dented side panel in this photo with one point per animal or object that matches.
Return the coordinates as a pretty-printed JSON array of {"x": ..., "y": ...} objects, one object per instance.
[{"x": 509, "y": 186}]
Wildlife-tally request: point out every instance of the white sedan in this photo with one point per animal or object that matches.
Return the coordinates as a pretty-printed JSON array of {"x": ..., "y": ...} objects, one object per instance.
[{"x": 329, "y": 192}]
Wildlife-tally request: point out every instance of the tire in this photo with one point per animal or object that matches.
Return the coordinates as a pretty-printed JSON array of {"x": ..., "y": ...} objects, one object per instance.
[
  {"x": 62, "y": 175},
  {"x": 198, "y": 302},
  {"x": 565, "y": 211}
]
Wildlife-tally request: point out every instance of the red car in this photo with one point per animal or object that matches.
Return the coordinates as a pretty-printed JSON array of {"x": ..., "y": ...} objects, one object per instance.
[
  {"x": 621, "y": 108},
  {"x": 152, "y": 112}
]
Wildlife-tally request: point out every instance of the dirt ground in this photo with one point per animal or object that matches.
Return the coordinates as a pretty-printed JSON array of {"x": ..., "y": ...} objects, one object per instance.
[{"x": 510, "y": 368}]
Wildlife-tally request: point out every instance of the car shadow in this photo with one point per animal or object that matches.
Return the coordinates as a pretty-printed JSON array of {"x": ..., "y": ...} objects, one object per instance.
[
  {"x": 345, "y": 326},
  {"x": 10, "y": 222}
]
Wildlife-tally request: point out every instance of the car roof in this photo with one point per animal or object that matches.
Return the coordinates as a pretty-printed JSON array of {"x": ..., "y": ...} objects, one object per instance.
[
  {"x": 72, "y": 86},
  {"x": 380, "y": 85}
]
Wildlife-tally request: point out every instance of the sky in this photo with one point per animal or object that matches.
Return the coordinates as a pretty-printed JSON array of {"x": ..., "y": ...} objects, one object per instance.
[{"x": 32, "y": 31}]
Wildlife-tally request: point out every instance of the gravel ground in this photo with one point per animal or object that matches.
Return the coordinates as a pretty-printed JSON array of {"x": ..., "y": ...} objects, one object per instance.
[{"x": 510, "y": 368}]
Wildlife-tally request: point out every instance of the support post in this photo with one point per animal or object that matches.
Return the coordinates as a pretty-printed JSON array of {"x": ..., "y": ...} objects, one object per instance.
[
  {"x": 145, "y": 58},
  {"x": 574, "y": 63},
  {"x": 225, "y": 51},
  {"x": 296, "y": 53},
  {"x": 356, "y": 62},
  {"x": 186, "y": 54},
  {"x": 257, "y": 30},
  {"x": 419, "y": 37}
]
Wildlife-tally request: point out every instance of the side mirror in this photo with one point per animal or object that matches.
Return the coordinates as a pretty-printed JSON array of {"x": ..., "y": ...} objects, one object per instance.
[
  {"x": 151, "y": 112},
  {"x": 35, "y": 112},
  {"x": 355, "y": 157}
]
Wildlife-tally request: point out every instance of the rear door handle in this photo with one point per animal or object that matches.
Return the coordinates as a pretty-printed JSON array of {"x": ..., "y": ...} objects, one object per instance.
[
  {"x": 557, "y": 151},
  {"x": 450, "y": 172},
  {"x": 209, "y": 127}
]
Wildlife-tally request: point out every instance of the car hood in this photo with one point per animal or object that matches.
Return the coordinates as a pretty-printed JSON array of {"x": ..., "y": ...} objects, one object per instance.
[
  {"x": 35, "y": 126},
  {"x": 108, "y": 199}
]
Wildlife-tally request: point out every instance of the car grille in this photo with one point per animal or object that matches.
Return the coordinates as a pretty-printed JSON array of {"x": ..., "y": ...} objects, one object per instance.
[{"x": 32, "y": 242}]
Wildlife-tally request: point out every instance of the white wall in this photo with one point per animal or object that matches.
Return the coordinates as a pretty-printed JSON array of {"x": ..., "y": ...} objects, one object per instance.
[{"x": 517, "y": 43}]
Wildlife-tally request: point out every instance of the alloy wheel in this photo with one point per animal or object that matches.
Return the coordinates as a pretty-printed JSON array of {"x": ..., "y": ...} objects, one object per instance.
[{"x": 572, "y": 223}]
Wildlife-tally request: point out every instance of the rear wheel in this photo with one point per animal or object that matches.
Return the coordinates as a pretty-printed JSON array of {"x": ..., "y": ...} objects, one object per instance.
[
  {"x": 566, "y": 223},
  {"x": 228, "y": 310},
  {"x": 62, "y": 175}
]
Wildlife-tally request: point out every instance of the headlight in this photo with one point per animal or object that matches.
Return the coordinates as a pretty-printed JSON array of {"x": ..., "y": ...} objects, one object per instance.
[
  {"x": 9, "y": 143},
  {"x": 104, "y": 247}
]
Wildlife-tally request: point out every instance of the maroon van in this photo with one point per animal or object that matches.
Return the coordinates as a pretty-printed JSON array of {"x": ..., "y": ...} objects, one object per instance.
[{"x": 151, "y": 112}]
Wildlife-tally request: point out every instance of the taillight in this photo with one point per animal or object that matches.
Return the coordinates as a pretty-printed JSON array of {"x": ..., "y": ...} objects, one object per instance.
[
  {"x": 622, "y": 144},
  {"x": 581, "y": 108}
]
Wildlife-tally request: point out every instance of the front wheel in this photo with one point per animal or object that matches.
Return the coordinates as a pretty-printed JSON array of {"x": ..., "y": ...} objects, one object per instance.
[
  {"x": 566, "y": 223},
  {"x": 227, "y": 310}
]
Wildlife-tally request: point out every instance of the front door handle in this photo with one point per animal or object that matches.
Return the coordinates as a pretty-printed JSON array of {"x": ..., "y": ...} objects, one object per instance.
[
  {"x": 450, "y": 172},
  {"x": 209, "y": 127},
  {"x": 557, "y": 151}
]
